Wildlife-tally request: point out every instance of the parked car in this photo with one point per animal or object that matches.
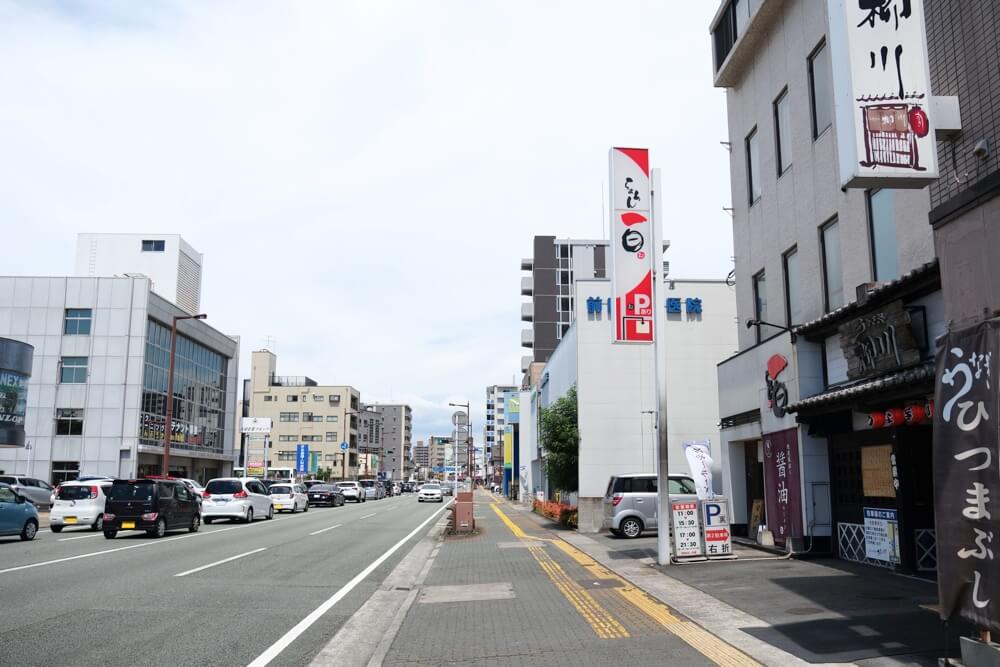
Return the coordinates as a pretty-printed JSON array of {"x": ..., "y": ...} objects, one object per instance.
[
  {"x": 193, "y": 485},
  {"x": 236, "y": 498},
  {"x": 430, "y": 493},
  {"x": 388, "y": 486},
  {"x": 372, "y": 489},
  {"x": 289, "y": 497},
  {"x": 17, "y": 515},
  {"x": 79, "y": 504},
  {"x": 630, "y": 503},
  {"x": 352, "y": 491},
  {"x": 35, "y": 490},
  {"x": 326, "y": 494},
  {"x": 153, "y": 505},
  {"x": 447, "y": 489}
]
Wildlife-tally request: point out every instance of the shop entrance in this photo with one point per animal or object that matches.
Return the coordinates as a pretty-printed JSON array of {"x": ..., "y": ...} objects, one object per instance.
[{"x": 754, "y": 467}]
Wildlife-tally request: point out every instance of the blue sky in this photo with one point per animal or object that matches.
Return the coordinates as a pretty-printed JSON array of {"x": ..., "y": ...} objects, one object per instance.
[{"x": 362, "y": 177}]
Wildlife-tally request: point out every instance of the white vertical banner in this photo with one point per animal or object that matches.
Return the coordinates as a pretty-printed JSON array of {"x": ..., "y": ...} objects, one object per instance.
[
  {"x": 632, "y": 244},
  {"x": 882, "y": 93}
]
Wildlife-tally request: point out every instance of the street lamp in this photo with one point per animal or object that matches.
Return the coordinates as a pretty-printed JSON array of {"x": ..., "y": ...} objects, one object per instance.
[
  {"x": 468, "y": 430},
  {"x": 168, "y": 425}
]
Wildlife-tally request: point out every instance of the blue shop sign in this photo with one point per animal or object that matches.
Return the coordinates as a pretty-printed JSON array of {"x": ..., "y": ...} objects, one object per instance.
[{"x": 691, "y": 305}]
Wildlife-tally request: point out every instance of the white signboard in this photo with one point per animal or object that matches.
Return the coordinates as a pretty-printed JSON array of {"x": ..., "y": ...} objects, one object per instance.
[
  {"x": 718, "y": 538},
  {"x": 633, "y": 251},
  {"x": 255, "y": 425},
  {"x": 881, "y": 534},
  {"x": 687, "y": 534},
  {"x": 699, "y": 458},
  {"x": 882, "y": 93}
]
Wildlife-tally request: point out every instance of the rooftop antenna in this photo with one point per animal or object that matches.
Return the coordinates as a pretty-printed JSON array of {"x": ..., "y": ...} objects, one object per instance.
[{"x": 270, "y": 343}]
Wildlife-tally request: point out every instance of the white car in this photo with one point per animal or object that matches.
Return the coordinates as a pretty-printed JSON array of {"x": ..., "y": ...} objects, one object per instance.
[
  {"x": 79, "y": 504},
  {"x": 352, "y": 491},
  {"x": 431, "y": 493},
  {"x": 237, "y": 498},
  {"x": 289, "y": 497},
  {"x": 197, "y": 488}
]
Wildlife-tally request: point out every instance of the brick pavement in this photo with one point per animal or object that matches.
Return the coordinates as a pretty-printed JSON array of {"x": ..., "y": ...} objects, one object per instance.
[{"x": 564, "y": 610}]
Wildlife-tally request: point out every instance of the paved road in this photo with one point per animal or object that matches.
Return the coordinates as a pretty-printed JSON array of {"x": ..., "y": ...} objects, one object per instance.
[{"x": 82, "y": 599}]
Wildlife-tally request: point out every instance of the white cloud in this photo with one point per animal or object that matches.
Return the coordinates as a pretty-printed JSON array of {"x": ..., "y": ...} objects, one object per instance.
[{"x": 362, "y": 177}]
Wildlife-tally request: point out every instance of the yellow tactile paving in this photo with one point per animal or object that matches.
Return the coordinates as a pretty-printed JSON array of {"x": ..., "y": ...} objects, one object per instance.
[{"x": 694, "y": 635}]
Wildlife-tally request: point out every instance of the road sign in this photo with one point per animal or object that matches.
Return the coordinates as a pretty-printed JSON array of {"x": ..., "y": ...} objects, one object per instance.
[
  {"x": 344, "y": 446},
  {"x": 718, "y": 538},
  {"x": 460, "y": 419}
]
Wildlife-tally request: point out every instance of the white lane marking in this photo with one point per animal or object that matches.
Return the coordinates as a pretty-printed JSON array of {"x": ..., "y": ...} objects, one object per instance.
[
  {"x": 80, "y": 537},
  {"x": 367, "y": 515},
  {"x": 150, "y": 543},
  {"x": 323, "y": 530},
  {"x": 219, "y": 562},
  {"x": 285, "y": 641}
]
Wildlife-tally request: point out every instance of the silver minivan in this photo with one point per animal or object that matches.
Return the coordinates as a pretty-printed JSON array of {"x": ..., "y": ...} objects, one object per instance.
[{"x": 630, "y": 505}]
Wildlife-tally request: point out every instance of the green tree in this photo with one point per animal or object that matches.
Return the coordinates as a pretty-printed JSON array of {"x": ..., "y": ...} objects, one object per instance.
[{"x": 560, "y": 439}]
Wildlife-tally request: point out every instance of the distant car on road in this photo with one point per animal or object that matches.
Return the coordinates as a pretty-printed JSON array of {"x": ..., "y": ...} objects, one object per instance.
[
  {"x": 352, "y": 491},
  {"x": 631, "y": 500},
  {"x": 430, "y": 493},
  {"x": 237, "y": 498},
  {"x": 447, "y": 489},
  {"x": 153, "y": 505},
  {"x": 309, "y": 483},
  {"x": 373, "y": 490},
  {"x": 37, "y": 491},
  {"x": 17, "y": 515},
  {"x": 79, "y": 504},
  {"x": 326, "y": 494},
  {"x": 289, "y": 497}
]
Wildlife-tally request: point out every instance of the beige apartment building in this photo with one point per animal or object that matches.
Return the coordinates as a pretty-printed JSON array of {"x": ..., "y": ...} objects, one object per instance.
[{"x": 304, "y": 412}]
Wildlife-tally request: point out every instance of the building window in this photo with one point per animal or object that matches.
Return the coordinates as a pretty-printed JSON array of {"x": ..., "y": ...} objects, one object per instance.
[
  {"x": 882, "y": 227},
  {"x": 319, "y": 397},
  {"x": 288, "y": 417},
  {"x": 64, "y": 471},
  {"x": 77, "y": 322},
  {"x": 782, "y": 133},
  {"x": 331, "y": 436},
  {"x": 153, "y": 246},
  {"x": 285, "y": 455},
  {"x": 753, "y": 166},
  {"x": 820, "y": 89},
  {"x": 760, "y": 300},
  {"x": 333, "y": 418},
  {"x": 564, "y": 278},
  {"x": 69, "y": 421},
  {"x": 288, "y": 438},
  {"x": 793, "y": 303},
  {"x": 334, "y": 399},
  {"x": 268, "y": 398},
  {"x": 564, "y": 252},
  {"x": 73, "y": 370},
  {"x": 564, "y": 303},
  {"x": 292, "y": 398},
  {"x": 833, "y": 278},
  {"x": 311, "y": 438}
]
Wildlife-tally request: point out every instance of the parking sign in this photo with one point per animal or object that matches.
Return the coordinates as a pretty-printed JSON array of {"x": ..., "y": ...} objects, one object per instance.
[{"x": 718, "y": 537}]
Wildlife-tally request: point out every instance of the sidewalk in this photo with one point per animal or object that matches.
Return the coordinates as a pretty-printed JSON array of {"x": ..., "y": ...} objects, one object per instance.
[
  {"x": 516, "y": 594},
  {"x": 820, "y": 611}
]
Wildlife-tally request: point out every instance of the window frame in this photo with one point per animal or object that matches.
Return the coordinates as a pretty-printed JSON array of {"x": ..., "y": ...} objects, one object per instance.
[
  {"x": 824, "y": 264},
  {"x": 70, "y": 315},
  {"x": 873, "y": 254},
  {"x": 70, "y": 419},
  {"x": 155, "y": 245},
  {"x": 752, "y": 136},
  {"x": 811, "y": 59},
  {"x": 74, "y": 369},
  {"x": 794, "y": 250},
  {"x": 780, "y": 163}
]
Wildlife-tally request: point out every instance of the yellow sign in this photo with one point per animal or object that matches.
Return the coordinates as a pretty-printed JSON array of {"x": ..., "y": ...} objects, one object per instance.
[{"x": 508, "y": 447}]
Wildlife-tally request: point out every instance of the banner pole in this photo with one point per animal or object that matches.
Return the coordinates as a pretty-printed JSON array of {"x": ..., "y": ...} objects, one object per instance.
[{"x": 665, "y": 516}]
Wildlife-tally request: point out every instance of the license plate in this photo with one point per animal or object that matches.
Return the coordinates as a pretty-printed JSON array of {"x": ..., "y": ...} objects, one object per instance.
[
  {"x": 70, "y": 519},
  {"x": 221, "y": 501},
  {"x": 279, "y": 507},
  {"x": 128, "y": 524}
]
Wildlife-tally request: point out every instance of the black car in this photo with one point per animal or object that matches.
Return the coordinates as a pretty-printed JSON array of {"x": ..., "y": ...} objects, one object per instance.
[
  {"x": 153, "y": 505},
  {"x": 387, "y": 485},
  {"x": 325, "y": 494}
]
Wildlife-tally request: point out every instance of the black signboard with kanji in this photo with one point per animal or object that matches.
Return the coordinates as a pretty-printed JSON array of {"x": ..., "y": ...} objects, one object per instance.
[{"x": 967, "y": 474}]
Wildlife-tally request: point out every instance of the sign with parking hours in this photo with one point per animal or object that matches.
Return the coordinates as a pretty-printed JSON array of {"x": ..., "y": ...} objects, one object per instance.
[{"x": 687, "y": 534}]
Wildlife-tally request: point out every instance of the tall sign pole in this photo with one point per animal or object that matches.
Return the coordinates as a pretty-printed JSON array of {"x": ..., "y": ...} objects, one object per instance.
[{"x": 664, "y": 510}]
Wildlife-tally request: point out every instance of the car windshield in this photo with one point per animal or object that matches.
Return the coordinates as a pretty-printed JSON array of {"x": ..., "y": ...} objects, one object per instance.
[
  {"x": 431, "y": 487},
  {"x": 141, "y": 490},
  {"x": 224, "y": 486},
  {"x": 280, "y": 490},
  {"x": 74, "y": 492}
]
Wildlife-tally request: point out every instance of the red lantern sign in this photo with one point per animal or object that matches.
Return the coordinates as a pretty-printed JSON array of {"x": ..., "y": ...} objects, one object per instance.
[
  {"x": 918, "y": 121},
  {"x": 894, "y": 417},
  {"x": 914, "y": 414},
  {"x": 876, "y": 419}
]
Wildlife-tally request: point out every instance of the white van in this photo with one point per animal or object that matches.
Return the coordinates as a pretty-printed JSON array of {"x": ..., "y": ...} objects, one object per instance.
[{"x": 79, "y": 504}]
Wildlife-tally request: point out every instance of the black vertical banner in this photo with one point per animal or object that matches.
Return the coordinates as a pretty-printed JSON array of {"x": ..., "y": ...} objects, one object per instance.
[{"x": 967, "y": 474}]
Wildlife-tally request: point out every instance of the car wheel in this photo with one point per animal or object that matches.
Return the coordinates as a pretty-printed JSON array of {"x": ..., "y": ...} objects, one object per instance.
[
  {"x": 270, "y": 512},
  {"x": 160, "y": 530},
  {"x": 98, "y": 524},
  {"x": 306, "y": 508},
  {"x": 249, "y": 518},
  {"x": 195, "y": 524},
  {"x": 631, "y": 527},
  {"x": 55, "y": 529},
  {"x": 207, "y": 521},
  {"x": 110, "y": 534},
  {"x": 30, "y": 530}
]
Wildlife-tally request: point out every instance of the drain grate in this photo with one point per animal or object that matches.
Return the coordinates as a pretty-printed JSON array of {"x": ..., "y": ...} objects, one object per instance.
[{"x": 402, "y": 588}]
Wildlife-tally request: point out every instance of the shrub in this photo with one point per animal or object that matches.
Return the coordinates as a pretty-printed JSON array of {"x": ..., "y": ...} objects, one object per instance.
[{"x": 565, "y": 515}]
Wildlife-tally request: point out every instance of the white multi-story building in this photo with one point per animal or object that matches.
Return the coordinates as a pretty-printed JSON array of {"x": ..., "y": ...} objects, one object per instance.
[
  {"x": 97, "y": 396},
  {"x": 493, "y": 429},
  {"x": 167, "y": 259}
]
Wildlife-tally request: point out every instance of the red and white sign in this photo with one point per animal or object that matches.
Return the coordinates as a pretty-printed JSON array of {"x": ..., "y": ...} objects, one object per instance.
[
  {"x": 718, "y": 539},
  {"x": 634, "y": 250}
]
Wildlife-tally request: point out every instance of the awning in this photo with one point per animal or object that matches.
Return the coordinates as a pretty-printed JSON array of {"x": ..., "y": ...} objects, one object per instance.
[{"x": 915, "y": 375}]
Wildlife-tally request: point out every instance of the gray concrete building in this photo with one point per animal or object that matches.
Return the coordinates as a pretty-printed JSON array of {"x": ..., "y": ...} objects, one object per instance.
[
  {"x": 97, "y": 396},
  {"x": 370, "y": 430},
  {"x": 397, "y": 433},
  {"x": 814, "y": 265}
]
